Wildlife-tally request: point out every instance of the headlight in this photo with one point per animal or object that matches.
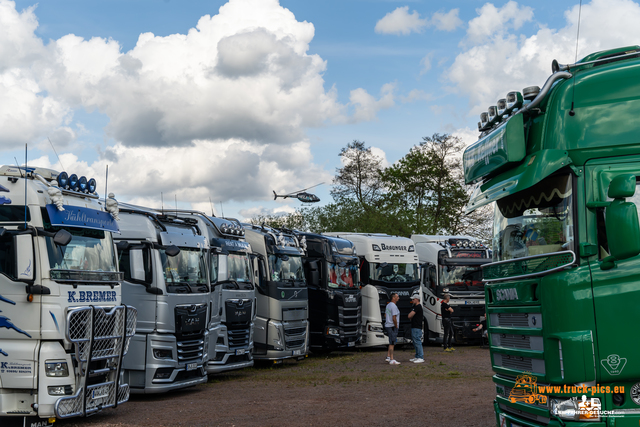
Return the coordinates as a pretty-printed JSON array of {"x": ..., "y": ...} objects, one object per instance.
[
  {"x": 373, "y": 328},
  {"x": 576, "y": 410},
  {"x": 333, "y": 331},
  {"x": 58, "y": 390},
  {"x": 56, "y": 369},
  {"x": 162, "y": 354}
]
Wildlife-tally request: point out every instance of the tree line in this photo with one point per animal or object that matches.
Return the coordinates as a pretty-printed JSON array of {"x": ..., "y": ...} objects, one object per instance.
[{"x": 422, "y": 193}]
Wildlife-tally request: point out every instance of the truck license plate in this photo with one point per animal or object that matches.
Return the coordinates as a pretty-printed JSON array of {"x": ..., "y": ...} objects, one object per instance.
[
  {"x": 351, "y": 344},
  {"x": 240, "y": 351},
  {"x": 192, "y": 366},
  {"x": 296, "y": 353},
  {"x": 99, "y": 393}
]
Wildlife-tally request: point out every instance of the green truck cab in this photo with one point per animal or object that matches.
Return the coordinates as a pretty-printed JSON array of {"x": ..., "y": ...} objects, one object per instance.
[{"x": 562, "y": 165}]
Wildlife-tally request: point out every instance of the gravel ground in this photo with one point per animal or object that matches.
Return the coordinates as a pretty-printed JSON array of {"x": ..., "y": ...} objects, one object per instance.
[{"x": 353, "y": 389}]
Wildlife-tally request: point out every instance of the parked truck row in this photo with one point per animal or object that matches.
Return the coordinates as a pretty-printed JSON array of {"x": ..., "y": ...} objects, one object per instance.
[{"x": 100, "y": 299}]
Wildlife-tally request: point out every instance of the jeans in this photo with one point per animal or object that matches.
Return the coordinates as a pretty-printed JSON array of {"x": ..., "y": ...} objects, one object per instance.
[
  {"x": 448, "y": 332},
  {"x": 416, "y": 337}
]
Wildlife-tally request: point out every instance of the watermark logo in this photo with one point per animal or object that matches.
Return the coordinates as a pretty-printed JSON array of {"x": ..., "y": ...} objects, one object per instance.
[{"x": 526, "y": 391}]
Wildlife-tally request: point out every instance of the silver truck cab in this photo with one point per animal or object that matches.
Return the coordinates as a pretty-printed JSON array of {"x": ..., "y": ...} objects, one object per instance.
[
  {"x": 163, "y": 259},
  {"x": 282, "y": 327}
]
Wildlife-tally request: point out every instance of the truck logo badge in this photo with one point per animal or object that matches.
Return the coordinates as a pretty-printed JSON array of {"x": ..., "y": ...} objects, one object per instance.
[
  {"x": 190, "y": 321},
  {"x": 282, "y": 294},
  {"x": 614, "y": 364},
  {"x": 508, "y": 294},
  {"x": 350, "y": 298},
  {"x": 241, "y": 313},
  {"x": 295, "y": 294}
]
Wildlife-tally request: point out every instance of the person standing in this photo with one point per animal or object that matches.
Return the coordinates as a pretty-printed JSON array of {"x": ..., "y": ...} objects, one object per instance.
[
  {"x": 416, "y": 317},
  {"x": 391, "y": 322},
  {"x": 446, "y": 310}
]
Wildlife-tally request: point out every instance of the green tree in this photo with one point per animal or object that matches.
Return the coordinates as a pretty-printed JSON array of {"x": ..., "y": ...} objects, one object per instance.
[
  {"x": 424, "y": 186},
  {"x": 359, "y": 179}
]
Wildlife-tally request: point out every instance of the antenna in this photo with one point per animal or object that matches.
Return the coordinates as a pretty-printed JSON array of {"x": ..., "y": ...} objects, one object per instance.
[
  {"x": 106, "y": 182},
  {"x": 56, "y": 153},
  {"x": 18, "y": 166},
  {"x": 162, "y": 203},
  {"x": 25, "y": 186},
  {"x": 221, "y": 209},
  {"x": 573, "y": 88},
  {"x": 211, "y": 203},
  {"x": 176, "y": 199}
]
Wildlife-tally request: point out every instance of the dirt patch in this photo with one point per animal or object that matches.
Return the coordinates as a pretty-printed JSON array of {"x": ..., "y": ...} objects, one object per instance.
[{"x": 351, "y": 389}]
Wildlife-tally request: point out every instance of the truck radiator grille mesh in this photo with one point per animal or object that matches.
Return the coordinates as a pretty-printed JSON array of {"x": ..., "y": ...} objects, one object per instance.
[
  {"x": 513, "y": 319},
  {"x": 190, "y": 350},
  {"x": 515, "y": 341},
  {"x": 101, "y": 338}
]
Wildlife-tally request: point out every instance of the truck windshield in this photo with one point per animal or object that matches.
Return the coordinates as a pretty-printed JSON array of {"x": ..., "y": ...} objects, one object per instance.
[
  {"x": 388, "y": 272},
  {"x": 89, "y": 250},
  {"x": 535, "y": 221},
  {"x": 184, "y": 272},
  {"x": 461, "y": 277},
  {"x": 239, "y": 268},
  {"x": 286, "y": 268},
  {"x": 342, "y": 277}
]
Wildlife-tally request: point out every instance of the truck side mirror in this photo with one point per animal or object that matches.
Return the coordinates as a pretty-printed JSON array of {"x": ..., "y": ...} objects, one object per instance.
[
  {"x": 621, "y": 222},
  {"x": 24, "y": 256},
  {"x": 62, "y": 238},
  {"x": 136, "y": 265},
  {"x": 172, "y": 250},
  {"x": 314, "y": 273},
  {"x": 223, "y": 268}
]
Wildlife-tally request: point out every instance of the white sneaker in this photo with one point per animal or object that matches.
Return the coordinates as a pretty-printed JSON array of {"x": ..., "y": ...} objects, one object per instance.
[
  {"x": 394, "y": 362},
  {"x": 418, "y": 361},
  {"x": 388, "y": 359},
  {"x": 413, "y": 360}
]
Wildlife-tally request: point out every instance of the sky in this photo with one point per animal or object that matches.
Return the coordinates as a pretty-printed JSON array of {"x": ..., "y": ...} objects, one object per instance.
[{"x": 212, "y": 105}]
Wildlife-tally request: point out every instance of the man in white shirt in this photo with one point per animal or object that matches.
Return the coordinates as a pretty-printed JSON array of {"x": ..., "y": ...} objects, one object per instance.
[{"x": 392, "y": 317}]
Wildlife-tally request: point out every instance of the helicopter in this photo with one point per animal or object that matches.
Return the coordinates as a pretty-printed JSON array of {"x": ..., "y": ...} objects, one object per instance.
[{"x": 301, "y": 195}]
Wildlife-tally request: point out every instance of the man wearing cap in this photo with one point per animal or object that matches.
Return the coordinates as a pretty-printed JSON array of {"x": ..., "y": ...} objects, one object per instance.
[{"x": 416, "y": 317}]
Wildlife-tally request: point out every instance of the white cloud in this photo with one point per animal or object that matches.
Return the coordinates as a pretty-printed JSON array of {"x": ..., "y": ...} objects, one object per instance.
[
  {"x": 253, "y": 212},
  {"x": 500, "y": 60},
  {"x": 382, "y": 155},
  {"x": 492, "y": 20},
  {"x": 400, "y": 21},
  {"x": 219, "y": 111},
  {"x": 366, "y": 106},
  {"x": 425, "y": 63},
  {"x": 447, "y": 21},
  {"x": 416, "y": 95}
]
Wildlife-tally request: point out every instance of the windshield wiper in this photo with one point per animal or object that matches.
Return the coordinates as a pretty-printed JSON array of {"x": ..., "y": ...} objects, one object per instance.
[{"x": 232, "y": 282}]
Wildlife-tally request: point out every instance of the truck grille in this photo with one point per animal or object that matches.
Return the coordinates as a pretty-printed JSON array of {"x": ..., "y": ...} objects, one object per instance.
[
  {"x": 519, "y": 363},
  {"x": 517, "y": 320},
  {"x": 525, "y": 342},
  {"x": 295, "y": 336},
  {"x": 191, "y": 321},
  {"x": 295, "y": 331},
  {"x": 507, "y": 393},
  {"x": 100, "y": 337},
  {"x": 238, "y": 337},
  {"x": 190, "y": 350},
  {"x": 350, "y": 320},
  {"x": 238, "y": 311},
  {"x": 523, "y": 414}
]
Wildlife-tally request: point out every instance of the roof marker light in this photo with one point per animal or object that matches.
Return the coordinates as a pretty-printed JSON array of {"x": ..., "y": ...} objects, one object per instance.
[
  {"x": 514, "y": 102},
  {"x": 73, "y": 182},
  {"x": 502, "y": 106},
  {"x": 82, "y": 184},
  {"x": 63, "y": 180},
  {"x": 92, "y": 185}
]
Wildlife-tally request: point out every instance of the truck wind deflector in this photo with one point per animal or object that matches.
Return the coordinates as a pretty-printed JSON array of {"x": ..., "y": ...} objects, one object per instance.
[
  {"x": 531, "y": 171},
  {"x": 536, "y": 265}
]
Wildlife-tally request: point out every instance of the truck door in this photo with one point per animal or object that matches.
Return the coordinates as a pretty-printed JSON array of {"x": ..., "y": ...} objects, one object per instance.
[
  {"x": 616, "y": 291},
  {"x": 19, "y": 319}
]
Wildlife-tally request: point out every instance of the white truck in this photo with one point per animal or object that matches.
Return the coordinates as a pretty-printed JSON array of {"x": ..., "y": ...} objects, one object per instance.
[
  {"x": 388, "y": 264},
  {"x": 63, "y": 329},
  {"x": 282, "y": 326},
  {"x": 164, "y": 261},
  {"x": 233, "y": 299},
  {"x": 451, "y": 264}
]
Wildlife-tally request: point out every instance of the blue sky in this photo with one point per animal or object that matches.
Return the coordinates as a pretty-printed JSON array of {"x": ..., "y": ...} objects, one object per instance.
[{"x": 261, "y": 95}]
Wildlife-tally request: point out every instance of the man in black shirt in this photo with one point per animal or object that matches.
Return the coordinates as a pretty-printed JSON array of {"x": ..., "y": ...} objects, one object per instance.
[
  {"x": 416, "y": 317},
  {"x": 446, "y": 311}
]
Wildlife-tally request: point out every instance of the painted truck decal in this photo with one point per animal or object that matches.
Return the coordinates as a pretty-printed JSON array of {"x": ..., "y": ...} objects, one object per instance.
[{"x": 5, "y": 322}]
